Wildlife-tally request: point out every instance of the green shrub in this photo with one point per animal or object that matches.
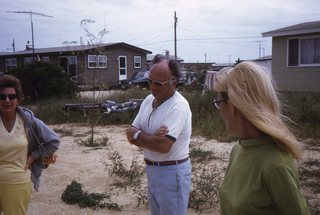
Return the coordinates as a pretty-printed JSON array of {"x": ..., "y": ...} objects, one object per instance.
[
  {"x": 44, "y": 80},
  {"x": 74, "y": 194}
]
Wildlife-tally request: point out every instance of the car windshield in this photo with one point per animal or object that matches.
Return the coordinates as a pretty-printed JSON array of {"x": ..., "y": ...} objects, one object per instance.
[{"x": 139, "y": 75}]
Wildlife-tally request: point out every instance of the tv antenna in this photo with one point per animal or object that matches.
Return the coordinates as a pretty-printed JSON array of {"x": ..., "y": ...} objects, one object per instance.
[{"x": 31, "y": 13}]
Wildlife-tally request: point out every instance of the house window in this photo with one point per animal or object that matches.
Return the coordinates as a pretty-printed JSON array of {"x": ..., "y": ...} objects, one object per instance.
[
  {"x": 102, "y": 61},
  {"x": 310, "y": 51},
  {"x": 97, "y": 61},
  {"x": 45, "y": 59},
  {"x": 137, "y": 61},
  {"x": 304, "y": 52},
  {"x": 11, "y": 63},
  {"x": 28, "y": 60},
  {"x": 92, "y": 61}
]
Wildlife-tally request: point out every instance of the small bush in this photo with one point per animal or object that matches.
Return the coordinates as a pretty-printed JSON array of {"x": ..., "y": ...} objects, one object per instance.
[
  {"x": 125, "y": 177},
  {"x": 64, "y": 131},
  {"x": 205, "y": 188},
  {"x": 140, "y": 194},
  {"x": 93, "y": 141},
  {"x": 74, "y": 194},
  {"x": 199, "y": 155}
]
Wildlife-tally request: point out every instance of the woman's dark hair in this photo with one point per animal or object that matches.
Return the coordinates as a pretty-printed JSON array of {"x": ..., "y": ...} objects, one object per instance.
[{"x": 11, "y": 81}]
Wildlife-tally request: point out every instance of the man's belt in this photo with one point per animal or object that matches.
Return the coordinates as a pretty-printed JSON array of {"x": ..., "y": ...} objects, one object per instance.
[{"x": 165, "y": 163}]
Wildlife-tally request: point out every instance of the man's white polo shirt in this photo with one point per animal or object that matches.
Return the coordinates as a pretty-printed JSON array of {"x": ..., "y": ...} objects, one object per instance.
[{"x": 174, "y": 113}]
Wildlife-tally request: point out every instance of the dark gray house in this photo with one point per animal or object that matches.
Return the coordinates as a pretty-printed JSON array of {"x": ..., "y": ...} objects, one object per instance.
[
  {"x": 107, "y": 63},
  {"x": 296, "y": 57}
]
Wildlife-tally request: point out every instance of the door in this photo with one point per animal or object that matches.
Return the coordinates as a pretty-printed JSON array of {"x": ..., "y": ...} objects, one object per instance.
[
  {"x": 122, "y": 67},
  {"x": 70, "y": 65},
  {"x": 73, "y": 68}
]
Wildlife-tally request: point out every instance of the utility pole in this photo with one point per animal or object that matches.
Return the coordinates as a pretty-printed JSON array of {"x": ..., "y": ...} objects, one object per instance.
[
  {"x": 31, "y": 13},
  {"x": 260, "y": 45},
  {"x": 259, "y": 49},
  {"x": 175, "y": 35},
  {"x": 13, "y": 46},
  {"x": 229, "y": 56}
]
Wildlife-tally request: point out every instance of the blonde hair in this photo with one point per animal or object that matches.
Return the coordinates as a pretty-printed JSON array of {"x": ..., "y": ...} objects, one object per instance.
[{"x": 251, "y": 90}]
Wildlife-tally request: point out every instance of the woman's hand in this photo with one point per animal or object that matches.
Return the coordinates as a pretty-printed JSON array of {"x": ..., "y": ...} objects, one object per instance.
[{"x": 30, "y": 160}]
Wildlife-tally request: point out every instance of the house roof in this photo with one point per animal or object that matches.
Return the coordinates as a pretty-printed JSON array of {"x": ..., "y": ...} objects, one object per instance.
[
  {"x": 73, "y": 48},
  {"x": 267, "y": 57},
  {"x": 171, "y": 57},
  {"x": 302, "y": 28}
]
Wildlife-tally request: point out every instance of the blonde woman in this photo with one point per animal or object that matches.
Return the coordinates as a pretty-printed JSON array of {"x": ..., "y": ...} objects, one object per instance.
[{"x": 261, "y": 177}]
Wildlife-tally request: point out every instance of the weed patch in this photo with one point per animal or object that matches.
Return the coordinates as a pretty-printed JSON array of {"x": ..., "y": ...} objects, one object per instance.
[
  {"x": 74, "y": 194},
  {"x": 125, "y": 177}
]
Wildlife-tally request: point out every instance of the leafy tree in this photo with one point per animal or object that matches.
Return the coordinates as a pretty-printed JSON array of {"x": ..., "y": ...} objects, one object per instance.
[{"x": 44, "y": 80}]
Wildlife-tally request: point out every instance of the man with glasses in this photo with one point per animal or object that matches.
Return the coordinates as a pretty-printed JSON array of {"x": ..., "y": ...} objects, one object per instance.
[{"x": 163, "y": 129}]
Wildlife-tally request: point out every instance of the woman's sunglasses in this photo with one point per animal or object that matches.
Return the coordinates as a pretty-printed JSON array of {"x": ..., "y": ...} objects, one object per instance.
[{"x": 10, "y": 96}]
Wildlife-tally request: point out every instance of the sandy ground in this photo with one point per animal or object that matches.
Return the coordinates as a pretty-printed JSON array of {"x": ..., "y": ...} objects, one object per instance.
[{"x": 88, "y": 167}]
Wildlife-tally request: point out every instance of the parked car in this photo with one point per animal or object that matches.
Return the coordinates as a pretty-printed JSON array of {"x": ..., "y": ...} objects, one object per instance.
[
  {"x": 138, "y": 79},
  {"x": 183, "y": 79}
]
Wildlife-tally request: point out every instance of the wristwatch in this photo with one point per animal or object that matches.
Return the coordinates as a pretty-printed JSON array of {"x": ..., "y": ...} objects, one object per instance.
[{"x": 135, "y": 135}]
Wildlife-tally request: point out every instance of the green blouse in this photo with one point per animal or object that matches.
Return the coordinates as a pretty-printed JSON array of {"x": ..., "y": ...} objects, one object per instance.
[{"x": 261, "y": 180}]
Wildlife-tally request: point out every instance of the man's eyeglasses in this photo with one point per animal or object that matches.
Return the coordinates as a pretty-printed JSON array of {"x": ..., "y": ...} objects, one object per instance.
[
  {"x": 217, "y": 102},
  {"x": 10, "y": 96},
  {"x": 157, "y": 83}
]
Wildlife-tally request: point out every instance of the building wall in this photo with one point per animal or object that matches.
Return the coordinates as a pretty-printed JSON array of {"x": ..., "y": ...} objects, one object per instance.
[
  {"x": 110, "y": 75},
  {"x": 89, "y": 76},
  {"x": 292, "y": 79},
  {"x": 196, "y": 67}
]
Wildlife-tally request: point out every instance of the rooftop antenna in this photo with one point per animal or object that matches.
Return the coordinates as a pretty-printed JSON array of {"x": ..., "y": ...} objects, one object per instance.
[{"x": 31, "y": 13}]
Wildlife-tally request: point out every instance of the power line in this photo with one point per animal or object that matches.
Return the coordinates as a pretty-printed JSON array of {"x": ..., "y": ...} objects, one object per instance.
[
  {"x": 152, "y": 34},
  {"x": 222, "y": 38}
]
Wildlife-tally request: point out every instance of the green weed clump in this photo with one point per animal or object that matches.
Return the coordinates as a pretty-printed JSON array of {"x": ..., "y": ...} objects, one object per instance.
[
  {"x": 128, "y": 177},
  {"x": 74, "y": 194},
  {"x": 205, "y": 188},
  {"x": 125, "y": 177}
]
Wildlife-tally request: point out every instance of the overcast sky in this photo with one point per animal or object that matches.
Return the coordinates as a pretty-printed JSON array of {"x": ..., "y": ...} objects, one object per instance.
[{"x": 207, "y": 30}]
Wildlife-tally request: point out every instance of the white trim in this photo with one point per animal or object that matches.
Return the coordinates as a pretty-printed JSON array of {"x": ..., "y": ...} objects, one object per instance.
[
  {"x": 97, "y": 61},
  {"x": 120, "y": 68},
  {"x": 289, "y": 33},
  {"x": 139, "y": 59},
  {"x": 92, "y": 61}
]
